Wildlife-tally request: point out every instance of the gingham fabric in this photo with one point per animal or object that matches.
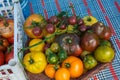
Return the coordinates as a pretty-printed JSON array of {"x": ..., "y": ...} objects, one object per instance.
[{"x": 106, "y": 11}]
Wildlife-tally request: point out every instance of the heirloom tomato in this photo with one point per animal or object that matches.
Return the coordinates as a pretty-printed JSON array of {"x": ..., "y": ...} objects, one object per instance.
[
  {"x": 7, "y": 28},
  {"x": 34, "y": 26},
  {"x": 104, "y": 54},
  {"x": 35, "y": 62},
  {"x": 2, "y": 58},
  {"x": 74, "y": 65},
  {"x": 70, "y": 43},
  {"x": 51, "y": 69},
  {"x": 62, "y": 74},
  {"x": 3, "y": 43},
  {"x": 39, "y": 47}
]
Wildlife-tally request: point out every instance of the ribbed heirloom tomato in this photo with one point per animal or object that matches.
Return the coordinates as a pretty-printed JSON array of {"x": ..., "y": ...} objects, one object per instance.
[
  {"x": 35, "y": 62},
  {"x": 74, "y": 65},
  {"x": 7, "y": 28},
  {"x": 34, "y": 26}
]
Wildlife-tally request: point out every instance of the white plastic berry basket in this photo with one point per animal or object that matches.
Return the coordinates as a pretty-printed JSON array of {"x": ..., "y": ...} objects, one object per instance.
[
  {"x": 13, "y": 70},
  {"x": 6, "y": 8}
]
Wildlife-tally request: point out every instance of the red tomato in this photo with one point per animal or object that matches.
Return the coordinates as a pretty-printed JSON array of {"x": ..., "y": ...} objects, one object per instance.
[
  {"x": 3, "y": 44},
  {"x": 7, "y": 28},
  {"x": 11, "y": 40},
  {"x": 1, "y": 58},
  {"x": 9, "y": 54}
]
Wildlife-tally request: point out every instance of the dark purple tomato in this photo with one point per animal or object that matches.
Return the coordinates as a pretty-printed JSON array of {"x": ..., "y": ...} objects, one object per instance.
[
  {"x": 72, "y": 20},
  {"x": 80, "y": 22},
  {"x": 90, "y": 41},
  {"x": 102, "y": 31},
  {"x": 63, "y": 26},
  {"x": 50, "y": 28},
  {"x": 53, "y": 19},
  {"x": 37, "y": 31},
  {"x": 82, "y": 28}
]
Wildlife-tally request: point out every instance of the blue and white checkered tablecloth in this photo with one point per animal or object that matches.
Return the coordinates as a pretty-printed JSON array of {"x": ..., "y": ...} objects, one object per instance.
[{"x": 107, "y": 11}]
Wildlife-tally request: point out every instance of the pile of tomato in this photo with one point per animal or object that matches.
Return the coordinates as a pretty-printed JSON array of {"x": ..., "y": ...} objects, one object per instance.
[
  {"x": 6, "y": 40},
  {"x": 65, "y": 47}
]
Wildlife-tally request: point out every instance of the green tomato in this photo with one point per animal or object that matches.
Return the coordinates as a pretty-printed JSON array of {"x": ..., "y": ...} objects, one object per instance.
[
  {"x": 104, "y": 54},
  {"x": 89, "y": 62},
  {"x": 105, "y": 42},
  {"x": 54, "y": 47},
  {"x": 62, "y": 54},
  {"x": 48, "y": 52},
  {"x": 52, "y": 58}
]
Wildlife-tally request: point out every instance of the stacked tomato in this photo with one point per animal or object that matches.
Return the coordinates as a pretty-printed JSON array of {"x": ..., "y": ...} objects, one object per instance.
[
  {"x": 65, "y": 47},
  {"x": 6, "y": 40}
]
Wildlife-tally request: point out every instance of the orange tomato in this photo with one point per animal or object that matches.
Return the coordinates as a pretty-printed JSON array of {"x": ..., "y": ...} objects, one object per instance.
[
  {"x": 62, "y": 74},
  {"x": 74, "y": 65},
  {"x": 32, "y": 21},
  {"x": 7, "y": 28},
  {"x": 50, "y": 70}
]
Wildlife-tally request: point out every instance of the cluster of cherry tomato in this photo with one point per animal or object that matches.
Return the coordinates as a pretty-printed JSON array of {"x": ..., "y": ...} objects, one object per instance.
[{"x": 6, "y": 40}]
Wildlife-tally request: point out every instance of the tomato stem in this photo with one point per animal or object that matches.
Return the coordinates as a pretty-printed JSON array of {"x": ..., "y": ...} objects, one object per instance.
[
  {"x": 69, "y": 40},
  {"x": 31, "y": 61},
  {"x": 67, "y": 65},
  {"x": 89, "y": 19}
]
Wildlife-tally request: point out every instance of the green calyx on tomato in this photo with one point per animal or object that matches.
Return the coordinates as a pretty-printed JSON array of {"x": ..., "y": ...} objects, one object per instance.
[
  {"x": 31, "y": 61},
  {"x": 67, "y": 65},
  {"x": 52, "y": 58},
  {"x": 89, "y": 62}
]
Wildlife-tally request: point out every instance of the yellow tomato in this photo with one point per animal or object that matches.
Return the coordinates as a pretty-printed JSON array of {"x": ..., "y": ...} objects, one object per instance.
[
  {"x": 38, "y": 47},
  {"x": 35, "y": 62},
  {"x": 89, "y": 20}
]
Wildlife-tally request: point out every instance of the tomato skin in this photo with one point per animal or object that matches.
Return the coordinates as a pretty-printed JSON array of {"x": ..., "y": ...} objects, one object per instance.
[
  {"x": 52, "y": 58},
  {"x": 3, "y": 43},
  {"x": 35, "y": 62},
  {"x": 11, "y": 40},
  {"x": 89, "y": 41},
  {"x": 50, "y": 70},
  {"x": 7, "y": 31},
  {"x": 75, "y": 68},
  {"x": 39, "y": 47},
  {"x": 62, "y": 74},
  {"x": 89, "y": 62},
  {"x": 104, "y": 54},
  {"x": 89, "y": 20},
  {"x": 9, "y": 55},
  {"x": 2, "y": 58},
  {"x": 70, "y": 43},
  {"x": 37, "y": 19},
  {"x": 102, "y": 31}
]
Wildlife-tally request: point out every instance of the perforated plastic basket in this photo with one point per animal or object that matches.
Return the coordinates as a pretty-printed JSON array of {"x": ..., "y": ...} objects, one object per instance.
[
  {"x": 13, "y": 70},
  {"x": 6, "y": 8}
]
